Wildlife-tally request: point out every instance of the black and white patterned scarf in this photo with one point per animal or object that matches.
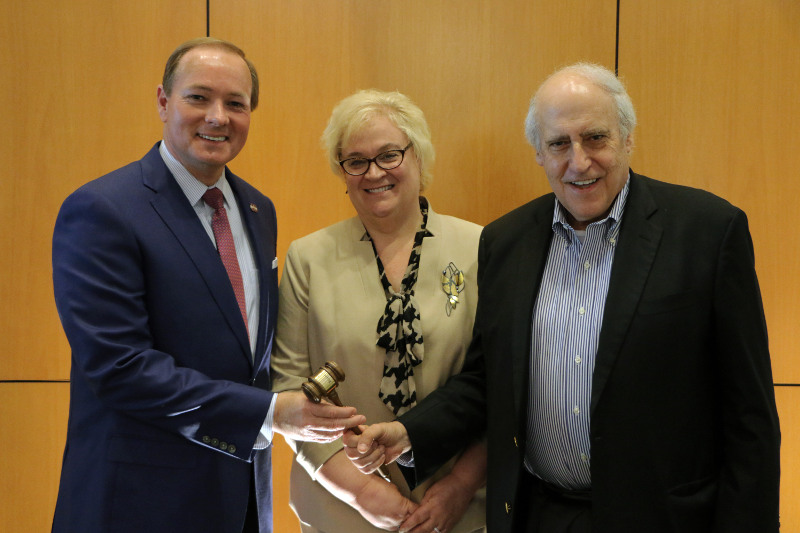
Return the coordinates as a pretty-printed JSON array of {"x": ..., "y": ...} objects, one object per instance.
[{"x": 399, "y": 330}]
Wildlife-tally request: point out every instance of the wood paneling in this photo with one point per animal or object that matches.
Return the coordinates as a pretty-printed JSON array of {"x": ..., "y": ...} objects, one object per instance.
[
  {"x": 788, "y": 399},
  {"x": 715, "y": 85},
  {"x": 471, "y": 67},
  {"x": 33, "y": 422},
  {"x": 79, "y": 91},
  {"x": 78, "y": 86}
]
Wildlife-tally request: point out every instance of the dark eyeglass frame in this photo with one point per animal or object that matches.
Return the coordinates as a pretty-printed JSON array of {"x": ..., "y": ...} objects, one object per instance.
[{"x": 375, "y": 160}]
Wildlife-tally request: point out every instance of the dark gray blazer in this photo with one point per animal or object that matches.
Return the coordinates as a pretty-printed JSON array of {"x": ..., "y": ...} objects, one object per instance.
[{"x": 684, "y": 428}]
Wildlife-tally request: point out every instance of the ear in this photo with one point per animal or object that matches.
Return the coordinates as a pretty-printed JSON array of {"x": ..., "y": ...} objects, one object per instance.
[
  {"x": 629, "y": 143},
  {"x": 161, "y": 99},
  {"x": 539, "y": 159}
]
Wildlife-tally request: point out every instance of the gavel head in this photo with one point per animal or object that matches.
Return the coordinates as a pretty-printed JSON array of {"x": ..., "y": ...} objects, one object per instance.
[{"x": 323, "y": 383}]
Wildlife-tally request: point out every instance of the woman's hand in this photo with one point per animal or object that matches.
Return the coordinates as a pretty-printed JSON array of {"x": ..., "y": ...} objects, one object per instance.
[
  {"x": 377, "y": 500},
  {"x": 382, "y": 505},
  {"x": 443, "y": 505},
  {"x": 446, "y": 501}
]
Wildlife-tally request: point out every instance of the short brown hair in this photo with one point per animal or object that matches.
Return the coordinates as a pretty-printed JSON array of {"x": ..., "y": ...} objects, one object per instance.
[{"x": 172, "y": 63}]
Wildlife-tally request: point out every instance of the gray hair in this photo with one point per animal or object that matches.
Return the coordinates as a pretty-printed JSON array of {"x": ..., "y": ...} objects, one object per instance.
[{"x": 602, "y": 78}]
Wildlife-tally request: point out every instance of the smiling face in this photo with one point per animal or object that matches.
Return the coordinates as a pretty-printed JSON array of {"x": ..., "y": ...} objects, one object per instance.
[
  {"x": 381, "y": 195},
  {"x": 207, "y": 116},
  {"x": 582, "y": 152}
]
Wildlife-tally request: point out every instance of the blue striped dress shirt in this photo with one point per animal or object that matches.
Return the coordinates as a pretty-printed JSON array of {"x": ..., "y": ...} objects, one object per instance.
[{"x": 565, "y": 331}]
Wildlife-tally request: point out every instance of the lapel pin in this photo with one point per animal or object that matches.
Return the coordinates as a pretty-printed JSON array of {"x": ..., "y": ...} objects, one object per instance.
[
  {"x": 452, "y": 285},
  {"x": 254, "y": 208}
]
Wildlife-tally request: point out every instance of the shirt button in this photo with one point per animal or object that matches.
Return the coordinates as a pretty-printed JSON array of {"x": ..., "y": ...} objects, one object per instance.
[
  {"x": 582, "y": 310},
  {"x": 584, "y": 458},
  {"x": 576, "y": 410},
  {"x": 587, "y": 265},
  {"x": 612, "y": 240},
  {"x": 578, "y": 359}
]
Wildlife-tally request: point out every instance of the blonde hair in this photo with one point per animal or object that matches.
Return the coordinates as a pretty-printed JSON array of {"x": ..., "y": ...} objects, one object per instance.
[{"x": 354, "y": 112}]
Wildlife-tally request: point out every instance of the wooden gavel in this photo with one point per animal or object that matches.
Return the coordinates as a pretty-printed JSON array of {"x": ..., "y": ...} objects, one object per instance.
[{"x": 323, "y": 385}]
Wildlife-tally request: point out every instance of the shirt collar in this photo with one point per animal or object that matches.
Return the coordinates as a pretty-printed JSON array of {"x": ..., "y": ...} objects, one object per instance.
[
  {"x": 562, "y": 227},
  {"x": 191, "y": 186}
]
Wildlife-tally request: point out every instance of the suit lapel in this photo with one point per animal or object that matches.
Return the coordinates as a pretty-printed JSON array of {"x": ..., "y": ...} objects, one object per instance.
[
  {"x": 529, "y": 264},
  {"x": 638, "y": 242},
  {"x": 179, "y": 216}
]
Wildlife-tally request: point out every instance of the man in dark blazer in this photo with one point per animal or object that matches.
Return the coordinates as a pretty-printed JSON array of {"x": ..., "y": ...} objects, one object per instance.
[
  {"x": 171, "y": 417},
  {"x": 619, "y": 364}
]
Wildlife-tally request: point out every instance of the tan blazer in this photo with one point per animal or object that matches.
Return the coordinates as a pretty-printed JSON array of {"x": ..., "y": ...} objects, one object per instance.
[{"x": 331, "y": 298}]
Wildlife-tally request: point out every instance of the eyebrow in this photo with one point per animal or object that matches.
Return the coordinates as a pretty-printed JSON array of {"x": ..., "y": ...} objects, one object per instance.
[
  {"x": 206, "y": 88},
  {"x": 596, "y": 131},
  {"x": 584, "y": 135},
  {"x": 384, "y": 148}
]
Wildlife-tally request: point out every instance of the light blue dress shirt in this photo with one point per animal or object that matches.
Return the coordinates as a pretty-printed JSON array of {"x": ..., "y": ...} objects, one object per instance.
[{"x": 565, "y": 331}]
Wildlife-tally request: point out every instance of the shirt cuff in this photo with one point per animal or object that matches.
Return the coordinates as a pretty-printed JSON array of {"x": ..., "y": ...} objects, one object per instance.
[
  {"x": 406, "y": 459},
  {"x": 264, "y": 438}
]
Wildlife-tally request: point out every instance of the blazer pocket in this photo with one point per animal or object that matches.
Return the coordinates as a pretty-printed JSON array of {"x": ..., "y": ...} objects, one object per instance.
[
  {"x": 691, "y": 505},
  {"x": 669, "y": 303},
  {"x": 133, "y": 450}
]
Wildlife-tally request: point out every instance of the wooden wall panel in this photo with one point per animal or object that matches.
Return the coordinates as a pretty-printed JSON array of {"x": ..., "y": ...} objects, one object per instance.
[
  {"x": 79, "y": 86},
  {"x": 715, "y": 86},
  {"x": 788, "y": 399},
  {"x": 33, "y": 421},
  {"x": 471, "y": 67}
]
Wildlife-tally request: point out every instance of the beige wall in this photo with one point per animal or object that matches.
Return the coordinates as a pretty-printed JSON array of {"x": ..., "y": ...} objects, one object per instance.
[{"x": 715, "y": 90}]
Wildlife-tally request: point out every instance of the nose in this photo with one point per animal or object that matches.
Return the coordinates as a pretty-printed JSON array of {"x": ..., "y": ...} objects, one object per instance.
[
  {"x": 579, "y": 161},
  {"x": 215, "y": 114},
  {"x": 374, "y": 171}
]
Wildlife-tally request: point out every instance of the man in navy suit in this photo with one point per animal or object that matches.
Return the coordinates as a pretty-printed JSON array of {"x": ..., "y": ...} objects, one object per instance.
[
  {"x": 171, "y": 417},
  {"x": 619, "y": 363}
]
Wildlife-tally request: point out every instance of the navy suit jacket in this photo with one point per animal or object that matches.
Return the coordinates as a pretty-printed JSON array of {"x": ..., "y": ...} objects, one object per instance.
[
  {"x": 684, "y": 428},
  {"x": 166, "y": 400}
]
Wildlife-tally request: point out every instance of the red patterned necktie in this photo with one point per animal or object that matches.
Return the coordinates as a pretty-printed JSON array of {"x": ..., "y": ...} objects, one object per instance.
[{"x": 227, "y": 250}]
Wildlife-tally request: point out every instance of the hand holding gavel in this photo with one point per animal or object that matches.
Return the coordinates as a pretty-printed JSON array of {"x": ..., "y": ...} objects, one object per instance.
[{"x": 323, "y": 385}]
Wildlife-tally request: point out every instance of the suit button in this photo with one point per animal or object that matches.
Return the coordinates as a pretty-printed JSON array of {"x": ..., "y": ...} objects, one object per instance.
[
  {"x": 508, "y": 508},
  {"x": 206, "y": 439},
  {"x": 231, "y": 448},
  {"x": 215, "y": 442},
  {"x": 223, "y": 446},
  {"x": 515, "y": 443}
]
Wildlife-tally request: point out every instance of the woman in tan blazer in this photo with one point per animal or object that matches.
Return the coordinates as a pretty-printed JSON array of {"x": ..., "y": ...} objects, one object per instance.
[{"x": 390, "y": 296}]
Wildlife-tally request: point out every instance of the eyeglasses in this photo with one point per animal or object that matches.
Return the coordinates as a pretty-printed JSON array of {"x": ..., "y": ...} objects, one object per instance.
[{"x": 358, "y": 166}]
